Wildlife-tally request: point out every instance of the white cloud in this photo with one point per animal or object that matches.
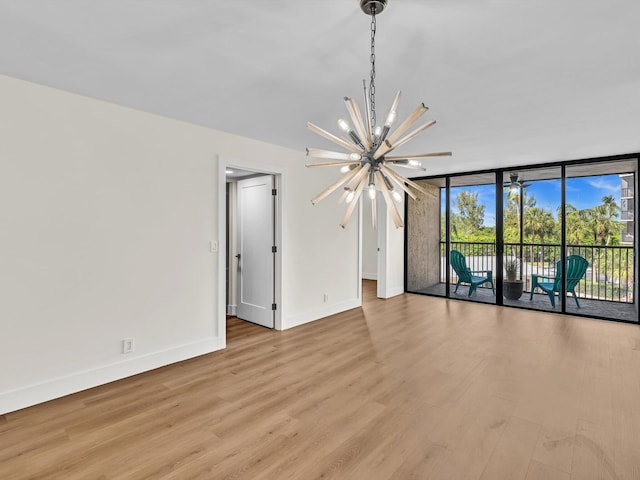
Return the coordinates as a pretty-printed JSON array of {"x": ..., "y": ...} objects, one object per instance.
[{"x": 609, "y": 185}]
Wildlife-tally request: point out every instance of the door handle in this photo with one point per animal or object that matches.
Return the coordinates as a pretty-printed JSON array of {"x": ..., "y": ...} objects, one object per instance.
[{"x": 238, "y": 256}]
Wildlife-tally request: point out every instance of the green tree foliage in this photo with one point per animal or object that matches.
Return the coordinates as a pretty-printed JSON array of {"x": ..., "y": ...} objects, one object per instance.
[
  {"x": 593, "y": 226},
  {"x": 538, "y": 223},
  {"x": 576, "y": 222},
  {"x": 512, "y": 213},
  {"x": 602, "y": 223},
  {"x": 469, "y": 220}
]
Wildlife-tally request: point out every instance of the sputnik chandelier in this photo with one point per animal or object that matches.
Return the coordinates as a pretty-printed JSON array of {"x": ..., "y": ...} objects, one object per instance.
[{"x": 368, "y": 161}]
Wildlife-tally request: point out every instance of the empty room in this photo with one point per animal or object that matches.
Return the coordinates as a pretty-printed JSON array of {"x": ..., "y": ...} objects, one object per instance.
[{"x": 347, "y": 239}]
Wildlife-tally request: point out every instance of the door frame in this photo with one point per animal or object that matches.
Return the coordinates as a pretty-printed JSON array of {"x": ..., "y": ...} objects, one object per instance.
[{"x": 280, "y": 175}]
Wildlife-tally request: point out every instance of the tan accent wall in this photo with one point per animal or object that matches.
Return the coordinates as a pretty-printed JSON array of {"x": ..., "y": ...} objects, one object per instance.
[{"x": 423, "y": 243}]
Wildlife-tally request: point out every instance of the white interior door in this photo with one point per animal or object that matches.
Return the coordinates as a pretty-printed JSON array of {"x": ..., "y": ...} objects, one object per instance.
[{"x": 255, "y": 255}]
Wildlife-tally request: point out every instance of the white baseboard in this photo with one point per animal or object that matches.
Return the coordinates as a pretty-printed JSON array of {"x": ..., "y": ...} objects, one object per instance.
[
  {"x": 370, "y": 276},
  {"x": 232, "y": 310},
  {"x": 327, "y": 311},
  {"x": 394, "y": 291},
  {"x": 59, "y": 387}
]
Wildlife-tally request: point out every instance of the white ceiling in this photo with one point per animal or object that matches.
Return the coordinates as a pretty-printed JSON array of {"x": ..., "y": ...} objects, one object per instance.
[{"x": 509, "y": 81}]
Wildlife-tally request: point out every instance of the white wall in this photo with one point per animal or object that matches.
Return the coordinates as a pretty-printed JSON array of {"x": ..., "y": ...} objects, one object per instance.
[
  {"x": 107, "y": 214},
  {"x": 391, "y": 256},
  {"x": 369, "y": 239}
]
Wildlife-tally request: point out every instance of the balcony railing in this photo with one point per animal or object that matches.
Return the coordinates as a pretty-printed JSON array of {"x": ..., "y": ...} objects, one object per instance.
[
  {"x": 610, "y": 275},
  {"x": 626, "y": 192}
]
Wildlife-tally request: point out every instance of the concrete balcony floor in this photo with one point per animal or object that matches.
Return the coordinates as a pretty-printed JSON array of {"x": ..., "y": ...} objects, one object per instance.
[{"x": 588, "y": 307}]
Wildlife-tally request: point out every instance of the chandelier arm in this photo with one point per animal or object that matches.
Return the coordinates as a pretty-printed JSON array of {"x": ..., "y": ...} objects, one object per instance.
[
  {"x": 321, "y": 153},
  {"x": 331, "y": 188},
  {"x": 323, "y": 133},
  {"x": 352, "y": 204},
  {"x": 343, "y": 197},
  {"x": 420, "y": 155},
  {"x": 382, "y": 149},
  {"x": 410, "y": 120},
  {"x": 399, "y": 178},
  {"x": 356, "y": 118},
  {"x": 390, "y": 118},
  {"x": 331, "y": 164},
  {"x": 387, "y": 146},
  {"x": 404, "y": 188},
  {"x": 353, "y": 183},
  {"x": 367, "y": 115},
  {"x": 415, "y": 132},
  {"x": 391, "y": 206},
  {"x": 390, "y": 181},
  {"x": 402, "y": 165},
  {"x": 394, "y": 108}
]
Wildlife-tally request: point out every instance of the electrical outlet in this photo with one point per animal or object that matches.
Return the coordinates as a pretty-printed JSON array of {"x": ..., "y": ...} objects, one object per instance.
[
  {"x": 213, "y": 246},
  {"x": 325, "y": 297},
  {"x": 128, "y": 345}
]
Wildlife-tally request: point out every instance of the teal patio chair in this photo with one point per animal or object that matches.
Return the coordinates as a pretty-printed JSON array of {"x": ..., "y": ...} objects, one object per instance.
[
  {"x": 466, "y": 275},
  {"x": 576, "y": 268}
]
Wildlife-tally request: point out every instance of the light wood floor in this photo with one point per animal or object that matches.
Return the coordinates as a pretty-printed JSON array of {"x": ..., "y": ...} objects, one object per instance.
[{"x": 412, "y": 387}]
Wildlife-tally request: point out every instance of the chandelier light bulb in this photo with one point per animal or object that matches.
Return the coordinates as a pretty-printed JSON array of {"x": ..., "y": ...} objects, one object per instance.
[
  {"x": 348, "y": 168},
  {"x": 396, "y": 196},
  {"x": 344, "y": 126},
  {"x": 356, "y": 157},
  {"x": 390, "y": 118},
  {"x": 350, "y": 196},
  {"x": 415, "y": 163},
  {"x": 378, "y": 131},
  {"x": 372, "y": 191}
]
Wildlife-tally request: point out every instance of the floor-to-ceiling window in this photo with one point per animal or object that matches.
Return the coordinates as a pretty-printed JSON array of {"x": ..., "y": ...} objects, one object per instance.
[
  {"x": 426, "y": 222},
  {"x": 472, "y": 237},
  {"x": 600, "y": 231},
  {"x": 554, "y": 237},
  {"x": 532, "y": 229}
]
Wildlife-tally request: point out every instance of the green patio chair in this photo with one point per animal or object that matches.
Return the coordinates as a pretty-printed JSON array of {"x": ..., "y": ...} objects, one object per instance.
[
  {"x": 466, "y": 275},
  {"x": 576, "y": 268}
]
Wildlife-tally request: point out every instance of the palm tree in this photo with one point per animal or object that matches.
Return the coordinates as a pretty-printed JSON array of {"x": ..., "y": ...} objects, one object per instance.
[
  {"x": 575, "y": 224},
  {"x": 601, "y": 220},
  {"x": 539, "y": 222}
]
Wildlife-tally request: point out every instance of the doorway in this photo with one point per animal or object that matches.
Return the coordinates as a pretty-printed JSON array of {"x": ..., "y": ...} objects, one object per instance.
[{"x": 250, "y": 208}]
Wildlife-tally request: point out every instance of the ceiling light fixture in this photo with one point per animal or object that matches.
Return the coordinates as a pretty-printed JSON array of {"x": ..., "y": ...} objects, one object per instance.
[
  {"x": 367, "y": 163},
  {"x": 515, "y": 185}
]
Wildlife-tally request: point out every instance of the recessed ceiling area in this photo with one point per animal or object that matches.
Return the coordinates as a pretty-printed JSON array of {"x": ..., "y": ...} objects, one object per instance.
[{"x": 509, "y": 83}]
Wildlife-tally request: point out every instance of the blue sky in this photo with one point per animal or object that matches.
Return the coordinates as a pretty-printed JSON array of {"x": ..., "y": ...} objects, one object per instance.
[{"x": 582, "y": 193}]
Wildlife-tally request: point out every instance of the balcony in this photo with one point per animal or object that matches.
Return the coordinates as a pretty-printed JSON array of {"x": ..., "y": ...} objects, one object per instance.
[
  {"x": 627, "y": 215},
  {"x": 606, "y": 290}
]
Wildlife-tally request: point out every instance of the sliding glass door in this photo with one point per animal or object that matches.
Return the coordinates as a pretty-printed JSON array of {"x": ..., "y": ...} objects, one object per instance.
[
  {"x": 532, "y": 229},
  {"x": 426, "y": 233},
  {"x": 560, "y": 238},
  {"x": 472, "y": 237},
  {"x": 600, "y": 234}
]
